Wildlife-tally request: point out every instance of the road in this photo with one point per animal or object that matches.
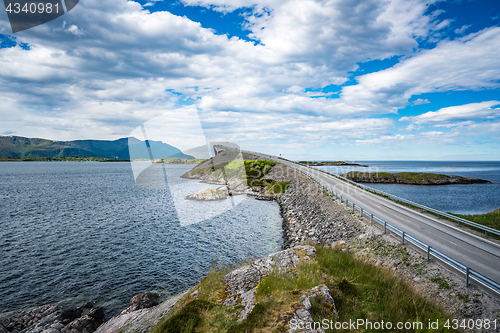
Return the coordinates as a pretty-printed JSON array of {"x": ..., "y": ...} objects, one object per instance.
[{"x": 473, "y": 251}]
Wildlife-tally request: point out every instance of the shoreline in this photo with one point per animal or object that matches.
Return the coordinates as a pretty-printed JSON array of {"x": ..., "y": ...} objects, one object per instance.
[{"x": 302, "y": 209}]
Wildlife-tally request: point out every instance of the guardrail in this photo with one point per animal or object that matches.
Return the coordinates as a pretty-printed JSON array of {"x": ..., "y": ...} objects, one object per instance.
[
  {"x": 435, "y": 211},
  {"x": 468, "y": 272}
]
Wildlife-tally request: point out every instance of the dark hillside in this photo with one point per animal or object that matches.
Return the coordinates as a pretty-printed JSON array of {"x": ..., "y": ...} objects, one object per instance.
[{"x": 20, "y": 147}]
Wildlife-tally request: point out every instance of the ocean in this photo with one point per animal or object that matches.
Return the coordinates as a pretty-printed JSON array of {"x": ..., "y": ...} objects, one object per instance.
[{"x": 74, "y": 232}]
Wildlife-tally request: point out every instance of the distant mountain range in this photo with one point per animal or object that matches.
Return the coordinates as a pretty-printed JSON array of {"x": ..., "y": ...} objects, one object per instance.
[{"x": 19, "y": 147}]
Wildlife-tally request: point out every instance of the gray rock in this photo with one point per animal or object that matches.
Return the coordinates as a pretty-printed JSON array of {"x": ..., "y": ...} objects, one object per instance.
[
  {"x": 211, "y": 194},
  {"x": 242, "y": 282},
  {"x": 88, "y": 322},
  {"x": 143, "y": 301},
  {"x": 52, "y": 319},
  {"x": 140, "y": 321},
  {"x": 302, "y": 319}
]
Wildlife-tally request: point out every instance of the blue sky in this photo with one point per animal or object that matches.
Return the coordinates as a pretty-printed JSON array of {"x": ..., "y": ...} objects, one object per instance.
[{"x": 308, "y": 79}]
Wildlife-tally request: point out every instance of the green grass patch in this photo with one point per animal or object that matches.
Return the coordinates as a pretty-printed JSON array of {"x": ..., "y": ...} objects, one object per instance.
[
  {"x": 402, "y": 176},
  {"x": 442, "y": 283},
  {"x": 491, "y": 219},
  {"x": 463, "y": 298},
  {"x": 186, "y": 320},
  {"x": 257, "y": 169},
  {"x": 280, "y": 187}
]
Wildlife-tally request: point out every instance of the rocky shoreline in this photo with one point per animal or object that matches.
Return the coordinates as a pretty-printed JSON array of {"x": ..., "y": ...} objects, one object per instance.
[
  {"x": 309, "y": 215},
  {"x": 53, "y": 319}
]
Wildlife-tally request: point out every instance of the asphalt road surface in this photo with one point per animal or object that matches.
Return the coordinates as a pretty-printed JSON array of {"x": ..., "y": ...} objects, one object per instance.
[{"x": 477, "y": 253}]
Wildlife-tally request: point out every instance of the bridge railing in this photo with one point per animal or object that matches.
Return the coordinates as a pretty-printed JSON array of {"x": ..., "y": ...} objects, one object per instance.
[
  {"x": 435, "y": 211},
  {"x": 405, "y": 237}
]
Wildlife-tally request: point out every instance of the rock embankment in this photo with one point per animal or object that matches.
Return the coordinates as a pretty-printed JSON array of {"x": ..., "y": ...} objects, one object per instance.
[
  {"x": 412, "y": 178},
  {"x": 309, "y": 213},
  {"x": 53, "y": 319}
]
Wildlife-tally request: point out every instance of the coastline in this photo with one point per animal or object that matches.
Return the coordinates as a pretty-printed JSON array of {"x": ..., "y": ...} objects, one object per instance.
[{"x": 304, "y": 207}]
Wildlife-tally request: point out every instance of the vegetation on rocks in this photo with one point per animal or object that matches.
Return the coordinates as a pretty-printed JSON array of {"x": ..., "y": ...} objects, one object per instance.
[
  {"x": 413, "y": 178},
  {"x": 359, "y": 289},
  {"x": 238, "y": 171}
]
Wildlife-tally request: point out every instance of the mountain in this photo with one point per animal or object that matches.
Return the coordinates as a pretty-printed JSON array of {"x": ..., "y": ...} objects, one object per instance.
[{"x": 17, "y": 147}]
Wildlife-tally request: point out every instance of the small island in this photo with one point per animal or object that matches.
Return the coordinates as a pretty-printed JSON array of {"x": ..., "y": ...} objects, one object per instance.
[
  {"x": 412, "y": 178},
  {"x": 336, "y": 163}
]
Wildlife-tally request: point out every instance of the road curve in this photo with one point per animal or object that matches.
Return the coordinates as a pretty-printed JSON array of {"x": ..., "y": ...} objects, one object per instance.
[{"x": 479, "y": 254}]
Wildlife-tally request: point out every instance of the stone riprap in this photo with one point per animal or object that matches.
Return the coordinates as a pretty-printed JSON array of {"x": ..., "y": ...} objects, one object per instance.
[{"x": 309, "y": 213}]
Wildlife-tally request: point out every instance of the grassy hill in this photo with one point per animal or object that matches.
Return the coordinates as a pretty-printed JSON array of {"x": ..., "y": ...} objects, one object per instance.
[{"x": 21, "y": 147}]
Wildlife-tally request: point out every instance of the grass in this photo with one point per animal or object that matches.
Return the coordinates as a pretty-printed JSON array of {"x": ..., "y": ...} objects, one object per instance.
[
  {"x": 258, "y": 168},
  {"x": 360, "y": 290},
  {"x": 188, "y": 319},
  {"x": 491, "y": 219},
  {"x": 279, "y": 187},
  {"x": 442, "y": 283},
  {"x": 463, "y": 298},
  {"x": 254, "y": 169},
  {"x": 415, "y": 176}
]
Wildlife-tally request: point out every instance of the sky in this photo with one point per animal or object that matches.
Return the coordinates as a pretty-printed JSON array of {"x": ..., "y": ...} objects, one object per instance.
[{"x": 307, "y": 79}]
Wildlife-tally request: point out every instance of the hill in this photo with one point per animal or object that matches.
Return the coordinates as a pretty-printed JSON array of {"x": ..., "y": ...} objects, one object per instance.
[{"x": 21, "y": 147}]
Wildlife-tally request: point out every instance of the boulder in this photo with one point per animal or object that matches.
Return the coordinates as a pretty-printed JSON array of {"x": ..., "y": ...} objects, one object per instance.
[
  {"x": 143, "y": 301},
  {"x": 241, "y": 283},
  {"x": 142, "y": 320},
  {"x": 211, "y": 194},
  {"x": 302, "y": 319},
  {"x": 88, "y": 322}
]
